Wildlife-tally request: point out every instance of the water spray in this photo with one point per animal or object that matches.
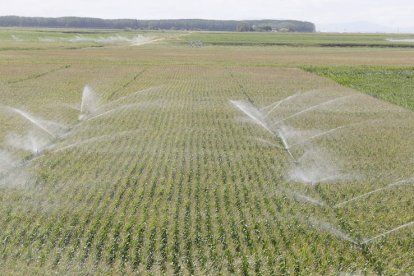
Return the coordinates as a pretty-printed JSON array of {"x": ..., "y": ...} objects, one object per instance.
[
  {"x": 310, "y": 109},
  {"x": 390, "y": 186},
  {"x": 277, "y": 104},
  {"x": 257, "y": 116},
  {"x": 367, "y": 241}
]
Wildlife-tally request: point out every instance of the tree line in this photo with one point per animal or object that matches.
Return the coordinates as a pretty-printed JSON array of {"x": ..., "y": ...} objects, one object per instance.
[{"x": 167, "y": 24}]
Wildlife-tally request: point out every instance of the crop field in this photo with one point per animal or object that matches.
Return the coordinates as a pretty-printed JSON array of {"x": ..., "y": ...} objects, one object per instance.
[
  {"x": 393, "y": 84},
  {"x": 162, "y": 158}
]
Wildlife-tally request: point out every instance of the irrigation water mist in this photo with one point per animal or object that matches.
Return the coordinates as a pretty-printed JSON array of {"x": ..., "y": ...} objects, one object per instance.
[
  {"x": 12, "y": 174},
  {"x": 117, "y": 39},
  {"x": 114, "y": 110},
  {"x": 409, "y": 40},
  {"x": 330, "y": 131},
  {"x": 366, "y": 241},
  {"x": 32, "y": 142},
  {"x": 74, "y": 107},
  {"x": 311, "y": 108},
  {"x": 390, "y": 186},
  {"x": 154, "y": 88},
  {"x": 254, "y": 114},
  {"x": 36, "y": 142},
  {"x": 313, "y": 167},
  {"x": 318, "y": 135},
  {"x": 266, "y": 142},
  {"x": 285, "y": 144},
  {"x": 329, "y": 228},
  {"x": 136, "y": 40},
  {"x": 259, "y": 118},
  {"x": 17, "y": 38},
  {"x": 304, "y": 198},
  {"x": 48, "y": 127},
  {"x": 293, "y": 134},
  {"x": 89, "y": 102},
  {"x": 6, "y": 161},
  {"x": 12, "y": 171},
  {"x": 277, "y": 104},
  {"x": 15, "y": 178},
  {"x": 91, "y": 107}
]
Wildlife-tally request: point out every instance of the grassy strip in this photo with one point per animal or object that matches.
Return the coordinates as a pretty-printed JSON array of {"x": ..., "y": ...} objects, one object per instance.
[
  {"x": 392, "y": 84},
  {"x": 301, "y": 39}
]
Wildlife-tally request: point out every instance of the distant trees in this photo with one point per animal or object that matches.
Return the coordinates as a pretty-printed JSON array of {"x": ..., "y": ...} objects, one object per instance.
[
  {"x": 244, "y": 27},
  {"x": 266, "y": 28},
  {"x": 179, "y": 24}
]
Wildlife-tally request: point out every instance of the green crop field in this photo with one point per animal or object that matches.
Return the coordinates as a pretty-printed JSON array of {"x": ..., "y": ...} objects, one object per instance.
[
  {"x": 303, "y": 39},
  {"x": 138, "y": 153},
  {"x": 393, "y": 84}
]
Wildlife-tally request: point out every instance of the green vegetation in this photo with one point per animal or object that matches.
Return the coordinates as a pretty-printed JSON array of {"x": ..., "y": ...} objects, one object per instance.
[
  {"x": 392, "y": 84},
  {"x": 302, "y": 39},
  {"x": 210, "y": 160}
]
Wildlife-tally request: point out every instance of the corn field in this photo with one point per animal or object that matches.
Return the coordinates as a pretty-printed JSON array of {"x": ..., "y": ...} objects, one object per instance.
[{"x": 197, "y": 167}]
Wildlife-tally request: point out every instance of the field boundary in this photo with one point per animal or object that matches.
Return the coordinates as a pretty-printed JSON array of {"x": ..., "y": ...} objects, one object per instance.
[{"x": 31, "y": 77}]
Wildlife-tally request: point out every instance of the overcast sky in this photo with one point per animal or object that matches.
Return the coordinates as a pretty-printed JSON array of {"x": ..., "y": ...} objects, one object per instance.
[{"x": 396, "y": 13}]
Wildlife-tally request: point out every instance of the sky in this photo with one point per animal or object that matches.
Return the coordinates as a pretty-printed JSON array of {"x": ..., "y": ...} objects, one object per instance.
[{"x": 396, "y": 14}]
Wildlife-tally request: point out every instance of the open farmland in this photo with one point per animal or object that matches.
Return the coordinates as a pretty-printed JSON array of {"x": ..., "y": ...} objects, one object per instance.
[{"x": 161, "y": 158}]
